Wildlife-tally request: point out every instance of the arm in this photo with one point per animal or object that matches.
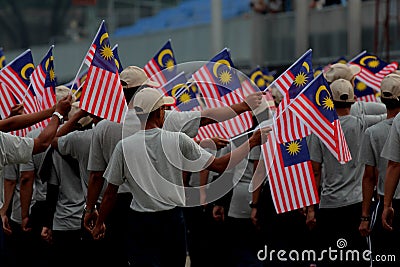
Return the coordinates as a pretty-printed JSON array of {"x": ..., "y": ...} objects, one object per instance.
[
  {"x": 9, "y": 187},
  {"x": 213, "y": 115},
  {"x": 26, "y": 191},
  {"x": 46, "y": 136},
  {"x": 68, "y": 127},
  {"x": 95, "y": 185},
  {"x": 368, "y": 185},
  {"x": 107, "y": 204},
  {"x": 233, "y": 158},
  {"x": 259, "y": 175},
  {"x": 391, "y": 181},
  {"x": 25, "y": 120},
  {"x": 214, "y": 143},
  {"x": 311, "y": 221}
]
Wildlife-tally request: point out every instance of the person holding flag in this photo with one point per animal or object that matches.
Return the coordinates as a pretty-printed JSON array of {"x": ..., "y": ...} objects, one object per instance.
[
  {"x": 340, "y": 184},
  {"x": 156, "y": 227}
]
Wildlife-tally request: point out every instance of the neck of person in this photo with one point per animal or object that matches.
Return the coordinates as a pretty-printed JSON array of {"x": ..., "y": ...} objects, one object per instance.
[
  {"x": 151, "y": 124},
  {"x": 343, "y": 111},
  {"x": 391, "y": 113}
]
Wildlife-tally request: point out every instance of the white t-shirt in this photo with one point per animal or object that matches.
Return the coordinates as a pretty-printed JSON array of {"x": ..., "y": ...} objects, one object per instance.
[
  {"x": 13, "y": 149},
  {"x": 151, "y": 162}
]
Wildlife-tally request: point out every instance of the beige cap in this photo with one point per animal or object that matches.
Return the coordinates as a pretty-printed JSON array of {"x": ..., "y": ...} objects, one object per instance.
[
  {"x": 150, "y": 99},
  {"x": 390, "y": 86},
  {"x": 342, "y": 91},
  {"x": 134, "y": 76},
  {"x": 341, "y": 71},
  {"x": 62, "y": 91}
]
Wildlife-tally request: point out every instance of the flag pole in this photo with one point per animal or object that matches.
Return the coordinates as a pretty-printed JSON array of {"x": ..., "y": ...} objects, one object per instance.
[
  {"x": 280, "y": 114},
  {"x": 79, "y": 88},
  {"x": 26, "y": 92},
  {"x": 300, "y": 58},
  {"x": 362, "y": 53},
  {"x": 83, "y": 61}
]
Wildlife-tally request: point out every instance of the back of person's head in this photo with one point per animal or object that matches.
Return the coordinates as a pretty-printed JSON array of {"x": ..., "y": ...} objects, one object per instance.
[
  {"x": 132, "y": 78},
  {"x": 83, "y": 123},
  {"x": 342, "y": 93},
  {"x": 62, "y": 91},
  {"x": 148, "y": 101},
  {"x": 390, "y": 91},
  {"x": 341, "y": 71},
  {"x": 276, "y": 95}
]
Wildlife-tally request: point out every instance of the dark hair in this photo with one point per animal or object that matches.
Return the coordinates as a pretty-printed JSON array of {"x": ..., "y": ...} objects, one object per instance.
[
  {"x": 145, "y": 117},
  {"x": 339, "y": 104},
  {"x": 390, "y": 103},
  {"x": 129, "y": 92}
]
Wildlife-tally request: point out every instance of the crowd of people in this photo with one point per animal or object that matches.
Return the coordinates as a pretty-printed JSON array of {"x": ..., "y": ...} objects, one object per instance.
[{"x": 85, "y": 190}]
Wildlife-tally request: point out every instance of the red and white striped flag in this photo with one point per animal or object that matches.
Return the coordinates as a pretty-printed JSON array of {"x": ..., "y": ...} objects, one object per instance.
[
  {"x": 373, "y": 69},
  {"x": 162, "y": 67},
  {"x": 102, "y": 94},
  {"x": 43, "y": 82},
  {"x": 220, "y": 86},
  {"x": 290, "y": 83},
  {"x": 290, "y": 174},
  {"x": 7, "y": 101},
  {"x": 16, "y": 77},
  {"x": 314, "y": 106}
]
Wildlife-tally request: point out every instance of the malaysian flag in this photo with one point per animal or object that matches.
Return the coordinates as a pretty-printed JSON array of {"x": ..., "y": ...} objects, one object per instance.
[
  {"x": 314, "y": 106},
  {"x": 219, "y": 84},
  {"x": 43, "y": 80},
  {"x": 99, "y": 37},
  {"x": 102, "y": 93},
  {"x": 364, "y": 92},
  {"x": 7, "y": 101},
  {"x": 373, "y": 69},
  {"x": 255, "y": 83},
  {"x": 117, "y": 60},
  {"x": 290, "y": 84},
  {"x": 15, "y": 76},
  {"x": 162, "y": 67},
  {"x": 290, "y": 174},
  {"x": 2, "y": 58},
  {"x": 183, "y": 92}
]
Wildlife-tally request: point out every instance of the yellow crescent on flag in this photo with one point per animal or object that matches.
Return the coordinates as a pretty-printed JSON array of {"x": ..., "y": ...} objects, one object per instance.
[
  {"x": 162, "y": 54},
  {"x": 25, "y": 68}
]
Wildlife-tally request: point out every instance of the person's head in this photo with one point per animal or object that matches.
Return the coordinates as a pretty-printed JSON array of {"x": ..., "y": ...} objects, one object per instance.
[
  {"x": 342, "y": 71},
  {"x": 149, "y": 105},
  {"x": 61, "y": 92},
  {"x": 83, "y": 123},
  {"x": 132, "y": 78},
  {"x": 342, "y": 93},
  {"x": 390, "y": 91},
  {"x": 276, "y": 95}
]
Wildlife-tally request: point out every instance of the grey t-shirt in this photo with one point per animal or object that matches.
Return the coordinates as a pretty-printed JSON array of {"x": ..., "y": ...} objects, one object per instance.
[
  {"x": 341, "y": 183},
  {"x": 367, "y": 108},
  {"x": 13, "y": 149},
  {"x": 33, "y": 165},
  {"x": 71, "y": 199},
  {"x": 154, "y": 172},
  {"x": 107, "y": 134},
  {"x": 77, "y": 145},
  {"x": 370, "y": 154},
  {"x": 241, "y": 197},
  {"x": 391, "y": 149}
]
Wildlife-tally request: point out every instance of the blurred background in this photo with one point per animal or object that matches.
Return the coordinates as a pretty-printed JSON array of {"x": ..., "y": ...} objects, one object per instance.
[{"x": 266, "y": 33}]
